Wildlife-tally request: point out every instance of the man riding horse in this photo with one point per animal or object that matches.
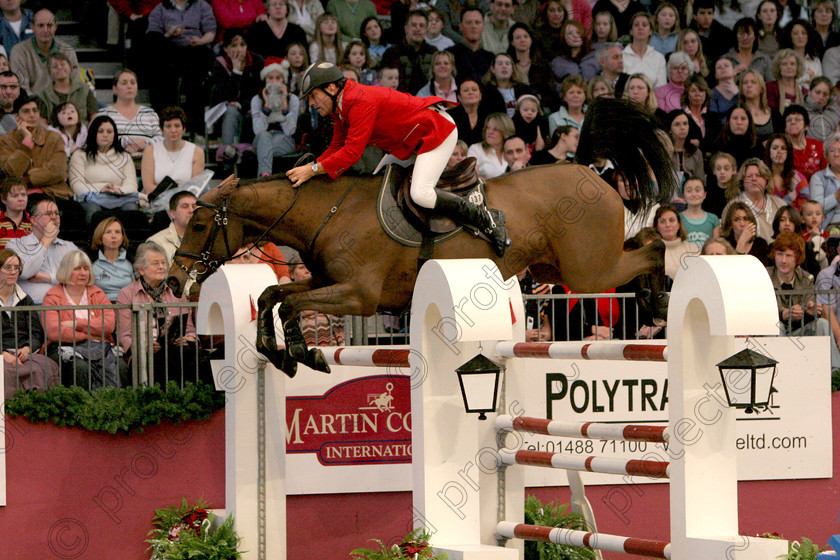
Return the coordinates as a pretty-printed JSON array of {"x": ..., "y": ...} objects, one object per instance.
[{"x": 398, "y": 123}]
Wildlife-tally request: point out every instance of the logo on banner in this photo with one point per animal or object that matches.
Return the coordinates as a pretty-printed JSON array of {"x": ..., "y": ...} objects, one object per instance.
[{"x": 363, "y": 421}]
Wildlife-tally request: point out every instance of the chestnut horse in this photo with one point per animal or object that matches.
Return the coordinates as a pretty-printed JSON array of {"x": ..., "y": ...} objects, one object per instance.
[{"x": 565, "y": 223}]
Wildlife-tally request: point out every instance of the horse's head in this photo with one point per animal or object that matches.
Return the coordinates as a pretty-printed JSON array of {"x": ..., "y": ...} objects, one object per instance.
[{"x": 212, "y": 237}]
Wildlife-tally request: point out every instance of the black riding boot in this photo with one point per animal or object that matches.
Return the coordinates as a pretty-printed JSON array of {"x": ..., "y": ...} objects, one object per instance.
[{"x": 462, "y": 211}]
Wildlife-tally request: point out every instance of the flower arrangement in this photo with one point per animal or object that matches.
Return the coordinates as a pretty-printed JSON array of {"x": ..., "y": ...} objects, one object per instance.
[
  {"x": 551, "y": 515},
  {"x": 415, "y": 546},
  {"x": 185, "y": 532},
  {"x": 805, "y": 550}
]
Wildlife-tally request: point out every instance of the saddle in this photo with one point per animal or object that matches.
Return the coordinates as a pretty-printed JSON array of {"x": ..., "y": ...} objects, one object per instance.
[{"x": 462, "y": 180}]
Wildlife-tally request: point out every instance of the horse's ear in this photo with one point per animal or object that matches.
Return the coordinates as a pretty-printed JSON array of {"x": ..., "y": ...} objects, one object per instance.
[{"x": 227, "y": 186}]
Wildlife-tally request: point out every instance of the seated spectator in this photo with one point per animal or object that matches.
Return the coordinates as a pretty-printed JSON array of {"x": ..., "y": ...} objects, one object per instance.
[
  {"x": 823, "y": 16},
  {"x": 102, "y": 174},
  {"x": 739, "y": 228},
  {"x": 725, "y": 92},
  {"x": 714, "y": 36},
  {"x": 236, "y": 79},
  {"x": 137, "y": 125},
  {"x": 695, "y": 103},
  {"x": 489, "y": 154},
  {"x": 823, "y": 109},
  {"x": 181, "y": 208},
  {"x": 267, "y": 253},
  {"x": 371, "y": 35},
  {"x": 434, "y": 31},
  {"x": 717, "y": 246},
  {"x": 814, "y": 236},
  {"x": 327, "y": 44},
  {"x": 798, "y": 314},
  {"x": 15, "y": 24},
  {"x": 530, "y": 123},
  {"x": 531, "y": 70},
  {"x": 808, "y": 153},
  {"x": 21, "y": 335},
  {"x": 180, "y": 34},
  {"x": 174, "y": 158},
  {"x": 611, "y": 60},
  {"x": 516, "y": 153},
  {"x": 699, "y": 225},
  {"x": 42, "y": 250},
  {"x": 639, "y": 56},
  {"x": 14, "y": 221},
  {"x": 789, "y": 220},
  {"x": 622, "y": 13},
  {"x": 746, "y": 50},
  {"x": 319, "y": 329},
  {"x": 29, "y": 58},
  {"x": 305, "y": 13},
  {"x": 471, "y": 59},
  {"x": 670, "y": 229},
  {"x": 640, "y": 90},
  {"x": 785, "y": 90},
  {"x": 350, "y": 16},
  {"x": 574, "y": 56},
  {"x": 501, "y": 86},
  {"x": 679, "y": 68},
  {"x": 563, "y": 143},
  {"x": 603, "y": 29},
  {"x": 173, "y": 332},
  {"x": 413, "y": 56},
  {"x": 753, "y": 96},
  {"x": 35, "y": 153},
  {"x": 79, "y": 339},
  {"x": 9, "y": 91},
  {"x": 293, "y": 67},
  {"x": 65, "y": 121},
  {"x": 788, "y": 183},
  {"x": 356, "y": 55},
  {"x": 799, "y": 36},
  {"x": 737, "y": 137},
  {"x": 497, "y": 24},
  {"x": 767, "y": 18},
  {"x": 237, "y": 14},
  {"x": 471, "y": 113},
  {"x": 572, "y": 104},
  {"x": 442, "y": 79},
  {"x": 274, "y": 35},
  {"x": 599, "y": 87},
  {"x": 756, "y": 191},
  {"x": 666, "y": 29},
  {"x": 389, "y": 77},
  {"x": 721, "y": 184},
  {"x": 66, "y": 85},
  {"x": 547, "y": 28},
  {"x": 112, "y": 269},
  {"x": 274, "y": 115},
  {"x": 825, "y": 184},
  {"x": 686, "y": 157},
  {"x": 459, "y": 154}
]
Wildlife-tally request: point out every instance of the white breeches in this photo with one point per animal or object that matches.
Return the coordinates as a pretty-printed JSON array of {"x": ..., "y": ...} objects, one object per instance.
[{"x": 429, "y": 166}]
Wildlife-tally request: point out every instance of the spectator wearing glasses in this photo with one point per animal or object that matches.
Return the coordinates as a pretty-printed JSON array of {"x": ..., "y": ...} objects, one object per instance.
[
  {"x": 9, "y": 91},
  {"x": 42, "y": 250}
]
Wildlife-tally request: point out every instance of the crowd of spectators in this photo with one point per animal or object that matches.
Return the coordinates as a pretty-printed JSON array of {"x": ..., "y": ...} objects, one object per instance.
[{"x": 748, "y": 105}]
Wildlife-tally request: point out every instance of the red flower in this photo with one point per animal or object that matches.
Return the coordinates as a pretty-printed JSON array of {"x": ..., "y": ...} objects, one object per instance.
[{"x": 411, "y": 548}]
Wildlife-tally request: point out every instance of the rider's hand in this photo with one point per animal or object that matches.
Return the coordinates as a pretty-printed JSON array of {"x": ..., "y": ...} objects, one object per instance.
[{"x": 301, "y": 174}]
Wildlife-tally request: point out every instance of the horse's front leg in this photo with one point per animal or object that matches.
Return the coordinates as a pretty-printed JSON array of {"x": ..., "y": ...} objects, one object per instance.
[{"x": 266, "y": 338}]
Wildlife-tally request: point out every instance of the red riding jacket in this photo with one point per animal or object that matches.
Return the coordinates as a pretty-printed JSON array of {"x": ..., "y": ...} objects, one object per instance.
[{"x": 387, "y": 119}]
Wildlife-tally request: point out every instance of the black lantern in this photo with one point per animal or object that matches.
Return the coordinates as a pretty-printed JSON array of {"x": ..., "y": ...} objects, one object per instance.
[
  {"x": 479, "y": 380},
  {"x": 748, "y": 380}
]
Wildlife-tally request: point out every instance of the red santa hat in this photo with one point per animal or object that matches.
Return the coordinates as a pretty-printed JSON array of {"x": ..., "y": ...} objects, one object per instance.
[{"x": 272, "y": 64}]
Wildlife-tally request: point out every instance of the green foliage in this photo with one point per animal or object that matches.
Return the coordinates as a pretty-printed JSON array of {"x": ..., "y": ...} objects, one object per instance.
[
  {"x": 415, "y": 546},
  {"x": 835, "y": 380},
  {"x": 117, "y": 410},
  {"x": 806, "y": 550},
  {"x": 184, "y": 533},
  {"x": 553, "y": 516}
]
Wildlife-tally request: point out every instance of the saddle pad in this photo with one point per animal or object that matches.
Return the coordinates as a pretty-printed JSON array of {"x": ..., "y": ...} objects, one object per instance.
[{"x": 395, "y": 224}]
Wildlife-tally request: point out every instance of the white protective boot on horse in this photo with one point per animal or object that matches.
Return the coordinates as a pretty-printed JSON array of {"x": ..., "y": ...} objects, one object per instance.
[{"x": 490, "y": 223}]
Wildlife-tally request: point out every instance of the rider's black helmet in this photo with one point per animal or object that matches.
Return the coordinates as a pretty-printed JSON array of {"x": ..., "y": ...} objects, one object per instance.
[{"x": 320, "y": 75}]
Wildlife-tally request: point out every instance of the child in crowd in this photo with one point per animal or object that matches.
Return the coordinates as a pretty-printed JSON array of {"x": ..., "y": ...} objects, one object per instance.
[
  {"x": 326, "y": 45},
  {"x": 433, "y": 32},
  {"x": 666, "y": 29},
  {"x": 389, "y": 76},
  {"x": 717, "y": 246},
  {"x": 294, "y": 65},
  {"x": 274, "y": 113},
  {"x": 65, "y": 121},
  {"x": 371, "y": 34},
  {"x": 459, "y": 154},
  {"x": 603, "y": 29},
  {"x": 14, "y": 221},
  {"x": 724, "y": 185},
  {"x": 699, "y": 224},
  {"x": 530, "y": 122},
  {"x": 356, "y": 55},
  {"x": 812, "y": 219}
]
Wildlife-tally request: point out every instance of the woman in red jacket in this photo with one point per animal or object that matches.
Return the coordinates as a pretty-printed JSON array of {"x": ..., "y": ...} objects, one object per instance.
[{"x": 400, "y": 124}]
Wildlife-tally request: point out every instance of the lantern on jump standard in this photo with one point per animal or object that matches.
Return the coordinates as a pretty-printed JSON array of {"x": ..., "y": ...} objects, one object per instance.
[
  {"x": 748, "y": 380},
  {"x": 479, "y": 381}
]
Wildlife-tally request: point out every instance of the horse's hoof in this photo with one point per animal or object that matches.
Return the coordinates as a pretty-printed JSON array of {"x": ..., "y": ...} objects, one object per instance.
[
  {"x": 288, "y": 365},
  {"x": 659, "y": 303},
  {"x": 297, "y": 351},
  {"x": 315, "y": 360}
]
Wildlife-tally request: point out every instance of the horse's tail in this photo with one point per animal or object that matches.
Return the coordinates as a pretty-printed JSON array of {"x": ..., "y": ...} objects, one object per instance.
[{"x": 621, "y": 131}]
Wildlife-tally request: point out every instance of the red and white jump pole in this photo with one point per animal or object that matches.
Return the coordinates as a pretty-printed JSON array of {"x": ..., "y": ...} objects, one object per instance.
[
  {"x": 584, "y": 351},
  {"x": 585, "y": 539},
  {"x": 588, "y": 430},
  {"x": 393, "y": 356},
  {"x": 633, "y": 467}
]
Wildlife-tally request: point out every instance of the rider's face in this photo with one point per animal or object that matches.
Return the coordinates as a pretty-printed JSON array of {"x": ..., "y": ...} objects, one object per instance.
[{"x": 321, "y": 101}]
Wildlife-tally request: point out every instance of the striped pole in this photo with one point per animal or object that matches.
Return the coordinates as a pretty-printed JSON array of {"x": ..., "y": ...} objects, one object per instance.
[
  {"x": 584, "y": 539},
  {"x": 585, "y": 351},
  {"x": 633, "y": 467},
  {"x": 396, "y": 356},
  {"x": 588, "y": 430}
]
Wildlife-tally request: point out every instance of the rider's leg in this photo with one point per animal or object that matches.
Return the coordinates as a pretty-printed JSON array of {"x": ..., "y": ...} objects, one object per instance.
[{"x": 428, "y": 167}]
